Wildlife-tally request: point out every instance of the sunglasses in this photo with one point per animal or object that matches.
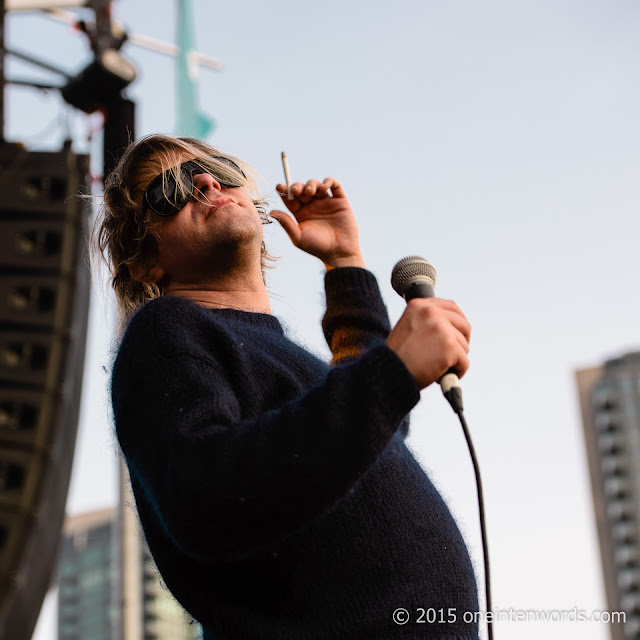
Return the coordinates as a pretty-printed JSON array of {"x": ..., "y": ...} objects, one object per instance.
[{"x": 165, "y": 196}]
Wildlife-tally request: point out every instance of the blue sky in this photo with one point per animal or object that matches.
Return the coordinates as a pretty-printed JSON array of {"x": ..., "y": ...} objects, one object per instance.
[{"x": 498, "y": 140}]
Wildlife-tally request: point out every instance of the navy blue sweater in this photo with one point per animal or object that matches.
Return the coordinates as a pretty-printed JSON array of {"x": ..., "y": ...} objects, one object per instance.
[{"x": 276, "y": 492}]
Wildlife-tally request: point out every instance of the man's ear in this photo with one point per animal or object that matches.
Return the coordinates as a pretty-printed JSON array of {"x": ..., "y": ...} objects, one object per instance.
[{"x": 146, "y": 273}]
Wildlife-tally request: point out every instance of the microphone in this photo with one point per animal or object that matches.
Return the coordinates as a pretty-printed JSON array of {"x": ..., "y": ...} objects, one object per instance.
[{"x": 415, "y": 277}]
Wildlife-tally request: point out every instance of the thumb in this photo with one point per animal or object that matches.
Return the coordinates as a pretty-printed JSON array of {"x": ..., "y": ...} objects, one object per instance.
[{"x": 288, "y": 224}]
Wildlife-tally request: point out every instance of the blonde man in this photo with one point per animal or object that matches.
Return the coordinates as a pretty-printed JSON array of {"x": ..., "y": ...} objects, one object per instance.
[{"x": 275, "y": 491}]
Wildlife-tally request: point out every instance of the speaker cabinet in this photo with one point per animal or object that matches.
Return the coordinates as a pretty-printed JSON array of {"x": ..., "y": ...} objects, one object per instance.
[{"x": 44, "y": 304}]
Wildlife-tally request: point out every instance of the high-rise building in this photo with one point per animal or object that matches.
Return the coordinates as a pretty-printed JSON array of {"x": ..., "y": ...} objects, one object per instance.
[
  {"x": 610, "y": 404},
  {"x": 86, "y": 606},
  {"x": 102, "y": 598}
]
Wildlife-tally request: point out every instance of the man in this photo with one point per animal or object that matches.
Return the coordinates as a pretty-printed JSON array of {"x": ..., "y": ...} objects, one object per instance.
[{"x": 276, "y": 493}]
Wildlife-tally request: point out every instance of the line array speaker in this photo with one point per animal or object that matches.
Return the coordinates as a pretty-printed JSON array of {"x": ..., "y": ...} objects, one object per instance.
[{"x": 44, "y": 304}]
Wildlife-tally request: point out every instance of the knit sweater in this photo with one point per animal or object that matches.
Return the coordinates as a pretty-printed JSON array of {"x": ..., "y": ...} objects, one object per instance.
[{"x": 276, "y": 492}]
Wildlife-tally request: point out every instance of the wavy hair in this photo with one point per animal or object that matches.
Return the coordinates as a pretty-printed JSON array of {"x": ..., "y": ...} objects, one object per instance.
[{"x": 123, "y": 233}]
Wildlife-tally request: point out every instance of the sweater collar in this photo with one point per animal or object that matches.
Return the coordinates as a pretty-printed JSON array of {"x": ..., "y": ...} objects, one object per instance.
[{"x": 263, "y": 320}]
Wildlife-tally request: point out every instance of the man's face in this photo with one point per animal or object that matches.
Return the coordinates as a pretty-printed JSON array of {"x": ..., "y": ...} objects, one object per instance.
[{"x": 207, "y": 234}]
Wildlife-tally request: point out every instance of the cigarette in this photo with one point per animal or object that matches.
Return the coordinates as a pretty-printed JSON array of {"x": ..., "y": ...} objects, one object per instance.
[{"x": 287, "y": 176}]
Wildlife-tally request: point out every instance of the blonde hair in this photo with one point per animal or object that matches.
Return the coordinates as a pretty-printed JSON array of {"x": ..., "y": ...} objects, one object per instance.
[{"x": 123, "y": 232}]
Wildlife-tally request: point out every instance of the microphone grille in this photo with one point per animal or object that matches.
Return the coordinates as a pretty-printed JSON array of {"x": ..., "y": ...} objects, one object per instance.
[{"x": 409, "y": 270}]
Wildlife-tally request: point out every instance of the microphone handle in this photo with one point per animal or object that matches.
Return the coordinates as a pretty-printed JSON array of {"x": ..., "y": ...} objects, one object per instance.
[
  {"x": 449, "y": 382},
  {"x": 419, "y": 290}
]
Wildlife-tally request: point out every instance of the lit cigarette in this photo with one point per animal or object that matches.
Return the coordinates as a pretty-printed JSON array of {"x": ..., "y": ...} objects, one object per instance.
[{"x": 287, "y": 176}]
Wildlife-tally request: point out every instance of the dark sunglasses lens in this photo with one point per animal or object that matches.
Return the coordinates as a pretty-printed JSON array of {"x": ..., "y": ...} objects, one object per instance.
[
  {"x": 162, "y": 194},
  {"x": 223, "y": 181},
  {"x": 165, "y": 198},
  {"x": 231, "y": 182}
]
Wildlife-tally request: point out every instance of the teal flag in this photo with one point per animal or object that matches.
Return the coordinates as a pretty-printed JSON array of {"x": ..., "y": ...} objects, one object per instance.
[{"x": 191, "y": 121}]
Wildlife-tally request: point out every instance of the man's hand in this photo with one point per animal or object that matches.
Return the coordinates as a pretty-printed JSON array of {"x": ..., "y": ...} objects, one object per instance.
[
  {"x": 431, "y": 336},
  {"x": 325, "y": 225}
]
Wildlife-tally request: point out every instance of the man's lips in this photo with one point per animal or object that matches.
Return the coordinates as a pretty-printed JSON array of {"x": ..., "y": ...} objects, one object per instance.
[{"x": 219, "y": 202}]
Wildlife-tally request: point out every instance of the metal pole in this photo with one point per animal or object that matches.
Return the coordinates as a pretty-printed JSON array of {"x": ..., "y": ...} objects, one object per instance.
[
  {"x": 119, "y": 131},
  {"x": 2, "y": 71}
]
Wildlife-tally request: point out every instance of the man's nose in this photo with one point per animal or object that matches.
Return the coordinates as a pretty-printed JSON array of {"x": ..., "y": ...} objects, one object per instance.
[{"x": 204, "y": 182}]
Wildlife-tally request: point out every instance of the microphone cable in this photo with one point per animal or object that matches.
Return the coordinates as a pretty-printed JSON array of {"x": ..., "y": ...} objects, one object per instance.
[
  {"x": 483, "y": 530},
  {"x": 414, "y": 277}
]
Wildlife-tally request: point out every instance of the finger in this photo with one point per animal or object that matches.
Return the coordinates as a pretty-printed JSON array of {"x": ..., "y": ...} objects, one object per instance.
[
  {"x": 450, "y": 305},
  {"x": 457, "y": 356},
  {"x": 460, "y": 323},
  {"x": 288, "y": 224},
  {"x": 462, "y": 365},
  {"x": 316, "y": 189},
  {"x": 306, "y": 192},
  {"x": 291, "y": 203},
  {"x": 297, "y": 189},
  {"x": 282, "y": 190},
  {"x": 451, "y": 310},
  {"x": 462, "y": 341},
  {"x": 335, "y": 186}
]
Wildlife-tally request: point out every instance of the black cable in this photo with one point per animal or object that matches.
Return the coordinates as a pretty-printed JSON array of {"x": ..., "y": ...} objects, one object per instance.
[
  {"x": 413, "y": 277},
  {"x": 483, "y": 532}
]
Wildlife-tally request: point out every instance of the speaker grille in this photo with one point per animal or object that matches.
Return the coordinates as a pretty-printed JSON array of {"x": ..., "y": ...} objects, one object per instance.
[{"x": 44, "y": 299}]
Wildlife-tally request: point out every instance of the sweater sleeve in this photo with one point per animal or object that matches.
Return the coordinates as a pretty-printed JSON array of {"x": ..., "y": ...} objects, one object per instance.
[
  {"x": 222, "y": 486},
  {"x": 356, "y": 317}
]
